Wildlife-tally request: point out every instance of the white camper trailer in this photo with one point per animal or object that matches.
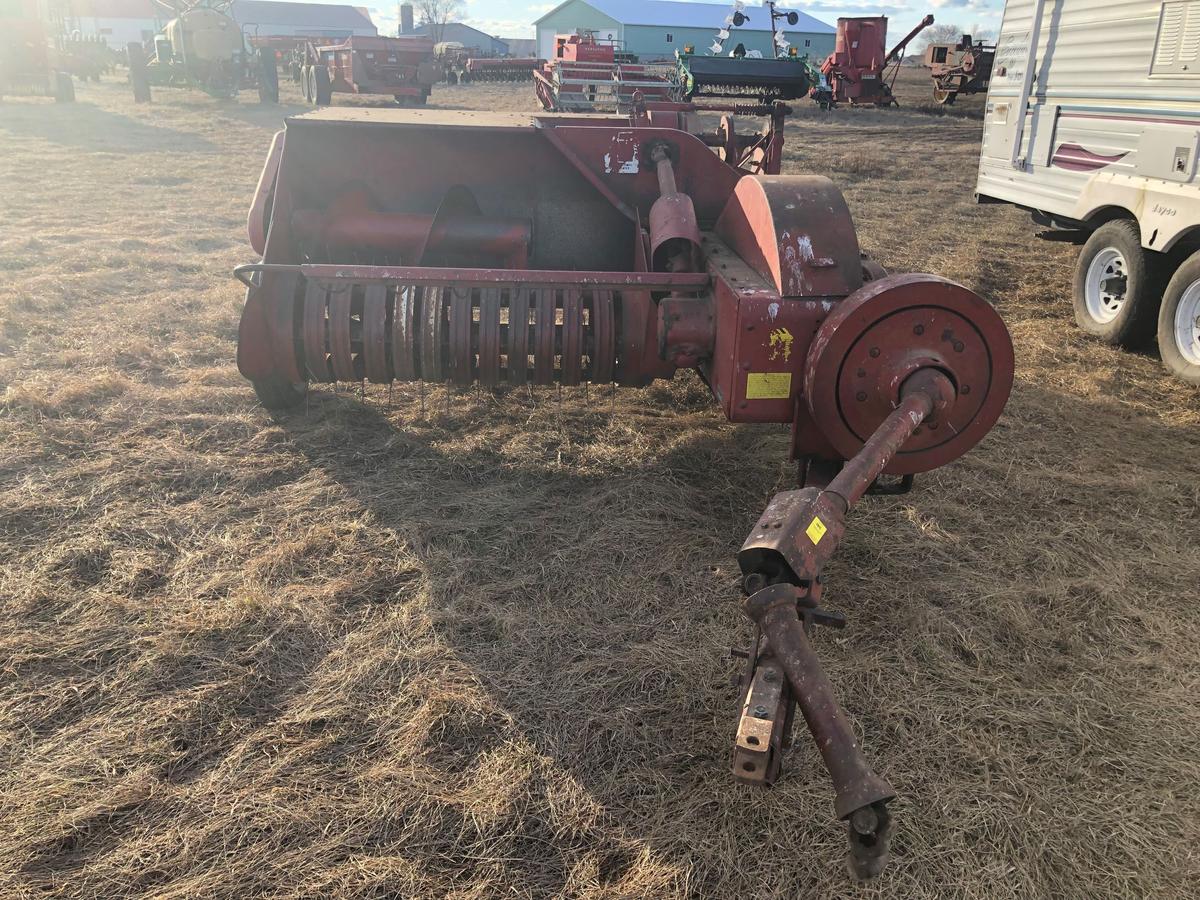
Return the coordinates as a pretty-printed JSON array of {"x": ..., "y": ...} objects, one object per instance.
[{"x": 1093, "y": 124}]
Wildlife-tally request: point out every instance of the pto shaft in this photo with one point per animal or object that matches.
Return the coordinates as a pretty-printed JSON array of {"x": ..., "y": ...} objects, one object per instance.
[
  {"x": 782, "y": 561},
  {"x": 774, "y": 610}
]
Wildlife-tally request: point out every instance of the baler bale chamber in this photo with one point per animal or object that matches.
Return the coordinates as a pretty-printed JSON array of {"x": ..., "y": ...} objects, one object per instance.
[{"x": 515, "y": 249}]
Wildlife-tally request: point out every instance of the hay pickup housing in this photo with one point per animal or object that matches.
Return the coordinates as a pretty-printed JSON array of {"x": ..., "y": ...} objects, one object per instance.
[{"x": 506, "y": 249}]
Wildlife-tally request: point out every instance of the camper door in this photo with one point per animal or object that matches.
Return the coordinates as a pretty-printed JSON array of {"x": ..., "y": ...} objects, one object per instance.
[{"x": 1014, "y": 82}]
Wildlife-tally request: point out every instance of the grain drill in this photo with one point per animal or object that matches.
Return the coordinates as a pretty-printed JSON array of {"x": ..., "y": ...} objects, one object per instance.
[{"x": 462, "y": 248}]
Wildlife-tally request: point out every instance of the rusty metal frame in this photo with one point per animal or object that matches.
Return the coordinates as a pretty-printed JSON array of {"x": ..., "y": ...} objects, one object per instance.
[{"x": 434, "y": 276}]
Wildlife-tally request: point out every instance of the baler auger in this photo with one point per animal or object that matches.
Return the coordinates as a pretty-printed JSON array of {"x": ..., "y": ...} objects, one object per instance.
[{"x": 516, "y": 249}]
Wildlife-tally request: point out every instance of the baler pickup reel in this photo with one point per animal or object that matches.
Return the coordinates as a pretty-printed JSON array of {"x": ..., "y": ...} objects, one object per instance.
[{"x": 469, "y": 248}]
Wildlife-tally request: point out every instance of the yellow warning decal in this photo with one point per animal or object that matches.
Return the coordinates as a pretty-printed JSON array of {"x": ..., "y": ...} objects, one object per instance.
[
  {"x": 768, "y": 385},
  {"x": 780, "y": 342},
  {"x": 816, "y": 530}
]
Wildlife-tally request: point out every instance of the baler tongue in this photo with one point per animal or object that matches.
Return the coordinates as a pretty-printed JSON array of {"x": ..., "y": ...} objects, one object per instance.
[{"x": 468, "y": 248}]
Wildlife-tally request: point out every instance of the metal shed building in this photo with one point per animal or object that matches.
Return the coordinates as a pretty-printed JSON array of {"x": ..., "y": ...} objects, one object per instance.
[
  {"x": 655, "y": 29},
  {"x": 469, "y": 37},
  {"x": 271, "y": 17}
]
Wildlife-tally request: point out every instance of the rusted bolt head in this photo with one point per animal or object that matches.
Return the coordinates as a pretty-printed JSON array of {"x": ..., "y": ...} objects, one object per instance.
[
  {"x": 919, "y": 329},
  {"x": 861, "y": 396},
  {"x": 874, "y": 352},
  {"x": 958, "y": 346},
  {"x": 759, "y": 712},
  {"x": 861, "y": 373},
  {"x": 965, "y": 389},
  {"x": 755, "y": 581},
  {"x": 864, "y": 820},
  {"x": 770, "y": 676}
]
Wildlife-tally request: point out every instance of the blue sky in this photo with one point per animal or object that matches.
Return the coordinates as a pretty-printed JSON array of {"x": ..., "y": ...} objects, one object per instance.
[{"x": 511, "y": 18}]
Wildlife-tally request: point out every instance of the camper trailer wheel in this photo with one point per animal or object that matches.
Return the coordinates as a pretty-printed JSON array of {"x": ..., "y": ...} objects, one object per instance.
[
  {"x": 1117, "y": 286},
  {"x": 1179, "y": 322},
  {"x": 322, "y": 90},
  {"x": 275, "y": 393},
  {"x": 64, "y": 88}
]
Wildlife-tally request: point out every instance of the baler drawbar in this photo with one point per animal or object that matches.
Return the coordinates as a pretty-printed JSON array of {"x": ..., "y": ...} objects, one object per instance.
[{"x": 516, "y": 249}]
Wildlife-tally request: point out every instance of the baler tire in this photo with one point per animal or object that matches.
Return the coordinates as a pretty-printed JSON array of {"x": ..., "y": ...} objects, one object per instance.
[
  {"x": 322, "y": 90},
  {"x": 1117, "y": 245},
  {"x": 1179, "y": 322},
  {"x": 64, "y": 88},
  {"x": 268, "y": 77},
  {"x": 277, "y": 394},
  {"x": 306, "y": 83}
]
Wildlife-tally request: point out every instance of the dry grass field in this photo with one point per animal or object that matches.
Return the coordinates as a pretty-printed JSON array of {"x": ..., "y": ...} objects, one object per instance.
[{"x": 474, "y": 644}]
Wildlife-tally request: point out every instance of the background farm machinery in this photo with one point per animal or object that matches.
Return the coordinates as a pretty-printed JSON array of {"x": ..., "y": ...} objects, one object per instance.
[
  {"x": 203, "y": 47},
  {"x": 463, "y": 65},
  {"x": 962, "y": 68},
  {"x": 572, "y": 249},
  {"x": 500, "y": 68},
  {"x": 783, "y": 76},
  {"x": 861, "y": 70},
  {"x": 29, "y": 62},
  {"x": 587, "y": 73},
  {"x": 85, "y": 58},
  {"x": 403, "y": 67}
]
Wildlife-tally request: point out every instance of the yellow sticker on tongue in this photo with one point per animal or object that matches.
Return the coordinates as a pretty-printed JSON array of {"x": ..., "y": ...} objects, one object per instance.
[{"x": 816, "y": 530}]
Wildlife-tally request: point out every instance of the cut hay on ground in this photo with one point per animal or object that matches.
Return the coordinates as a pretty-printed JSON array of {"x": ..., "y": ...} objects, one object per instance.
[{"x": 475, "y": 644}]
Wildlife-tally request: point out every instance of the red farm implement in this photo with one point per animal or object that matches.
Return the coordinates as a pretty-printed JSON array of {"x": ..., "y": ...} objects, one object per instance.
[
  {"x": 861, "y": 70},
  {"x": 555, "y": 249},
  {"x": 587, "y": 74},
  {"x": 481, "y": 69},
  {"x": 402, "y": 67}
]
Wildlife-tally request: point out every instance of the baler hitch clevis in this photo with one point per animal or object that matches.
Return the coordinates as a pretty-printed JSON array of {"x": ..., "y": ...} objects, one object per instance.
[{"x": 781, "y": 563}]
